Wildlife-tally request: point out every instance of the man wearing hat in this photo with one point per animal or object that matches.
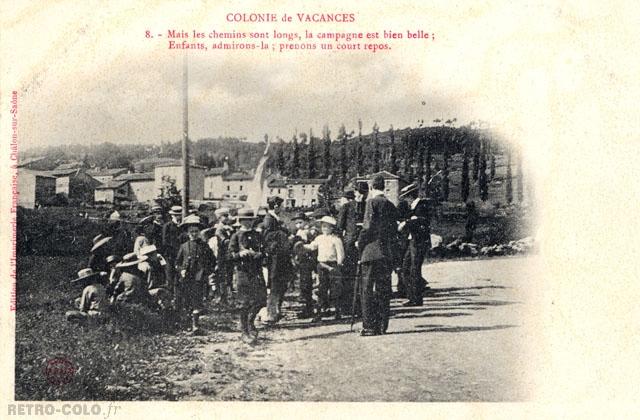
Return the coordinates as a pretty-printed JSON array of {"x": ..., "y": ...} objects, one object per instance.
[
  {"x": 377, "y": 241},
  {"x": 94, "y": 303},
  {"x": 348, "y": 228},
  {"x": 246, "y": 253},
  {"x": 152, "y": 267},
  {"x": 130, "y": 287},
  {"x": 194, "y": 264},
  {"x": 153, "y": 230},
  {"x": 304, "y": 262},
  {"x": 407, "y": 195},
  {"x": 172, "y": 237},
  {"x": 278, "y": 251},
  {"x": 219, "y": 243},
  {"x": 416, "y": 229},
  {"x": 99, "y": 253}
]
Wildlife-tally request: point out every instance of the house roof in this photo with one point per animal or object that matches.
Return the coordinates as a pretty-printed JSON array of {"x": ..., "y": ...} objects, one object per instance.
[
  {"x": 299, "y": 181},
  {"x": 44, "y": 174},
  {"x": 284, "y": 183},
  {"x": 61, "y": 172},
  {"x": 108, "y": 172},
  {"x": 110, "y": 185},
  {"x": 142, "y": 176},
  {"x": 68, "y": 165},
  {"x": 238, "y": 177},
  {"x": 177, "y": 162},
  {"x": 30, "y": 160},
  {"x": 216, "y": 171}
]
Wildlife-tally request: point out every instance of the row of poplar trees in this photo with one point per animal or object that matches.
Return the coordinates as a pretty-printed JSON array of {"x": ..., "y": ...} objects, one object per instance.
[{"x": 421, "y": 155}]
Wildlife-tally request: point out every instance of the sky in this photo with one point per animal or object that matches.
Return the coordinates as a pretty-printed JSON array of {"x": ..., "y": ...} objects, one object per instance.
[{"x": 89, "y": 75}]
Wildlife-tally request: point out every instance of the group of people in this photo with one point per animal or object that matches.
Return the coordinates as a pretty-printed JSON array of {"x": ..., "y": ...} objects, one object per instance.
[{"x": 342, "y": 263}]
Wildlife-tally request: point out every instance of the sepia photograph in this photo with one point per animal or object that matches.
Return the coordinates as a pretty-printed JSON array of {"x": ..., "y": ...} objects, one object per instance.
[{"x": 312, "y": 202}]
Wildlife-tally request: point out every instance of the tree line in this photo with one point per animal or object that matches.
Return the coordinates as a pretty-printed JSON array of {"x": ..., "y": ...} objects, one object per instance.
[{"x": 422, "y": 155}]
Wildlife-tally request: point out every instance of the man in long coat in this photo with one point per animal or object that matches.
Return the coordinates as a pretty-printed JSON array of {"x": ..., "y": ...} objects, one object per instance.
[
  {"x": 347, "y": 227},
  {"x": 194, "y": 264},
  {"x": 377, "y": 241},
  {"x": 278, "y": 251}
]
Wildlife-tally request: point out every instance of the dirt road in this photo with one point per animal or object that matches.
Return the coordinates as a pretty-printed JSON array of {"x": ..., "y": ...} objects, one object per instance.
[{"x": 469, "y": 342}]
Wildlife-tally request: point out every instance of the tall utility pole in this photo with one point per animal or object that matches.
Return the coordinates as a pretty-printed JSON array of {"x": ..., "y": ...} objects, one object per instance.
[{"x": 185, "y": 135}]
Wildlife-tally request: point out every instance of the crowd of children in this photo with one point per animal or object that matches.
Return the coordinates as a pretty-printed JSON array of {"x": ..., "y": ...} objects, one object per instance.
[{"x": 178, "y": 266}]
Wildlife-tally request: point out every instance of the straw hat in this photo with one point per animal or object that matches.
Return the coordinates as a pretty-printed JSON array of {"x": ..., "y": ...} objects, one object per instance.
[
  {"x": 100, "y": 242},
  {"x": 156, "y": 209},
  {"x": 221, "y": 211},
  {"x": 148, "y": 249},
  {"x": 329, "y": 220},
  {"x": 176, "y": 210},
  {"x": 129, "y": 260},
  {"x": 84, "y": 274},
  {"x": 191, "y": 220},
  {"x": 245, "y": 214}
]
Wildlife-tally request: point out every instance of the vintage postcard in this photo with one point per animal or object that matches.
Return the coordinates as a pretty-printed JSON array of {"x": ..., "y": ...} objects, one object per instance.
[{"x": 304, "y": 208}]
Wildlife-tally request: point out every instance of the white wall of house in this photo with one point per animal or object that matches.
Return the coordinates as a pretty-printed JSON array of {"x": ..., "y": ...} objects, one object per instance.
[
  {"x": 213, "y": 187},
  {"x": 143, "y": 191},
  {"x": 105, "y": 195},
  {"x": 196, "y": 180}
]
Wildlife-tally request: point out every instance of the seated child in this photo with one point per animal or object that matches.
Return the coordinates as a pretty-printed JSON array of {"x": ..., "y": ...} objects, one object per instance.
[{"x": 94, "y": 303}]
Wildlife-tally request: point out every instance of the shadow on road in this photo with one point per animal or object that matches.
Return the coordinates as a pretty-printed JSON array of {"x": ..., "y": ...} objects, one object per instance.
[{"x": 442, "y": 328}]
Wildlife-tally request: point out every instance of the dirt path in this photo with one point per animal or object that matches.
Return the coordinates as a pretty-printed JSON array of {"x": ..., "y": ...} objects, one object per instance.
[{"x": 467, "y": 343}]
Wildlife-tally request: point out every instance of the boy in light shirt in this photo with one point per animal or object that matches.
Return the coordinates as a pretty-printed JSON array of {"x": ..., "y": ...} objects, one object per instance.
[{"x": 330, "y": 259}]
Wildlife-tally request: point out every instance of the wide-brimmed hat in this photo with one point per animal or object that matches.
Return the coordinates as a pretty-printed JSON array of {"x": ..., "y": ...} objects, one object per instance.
[
  {"x": 222, "y": 211},
  {"x": 112, "y": 258},
  {"x": 85, "y": 274},
  {"x": 129, "y": 260},
  {"x": 349, "y": 193},
  {"x": 191, "y": 220},
  {"x": 147, "y": 249},
  {"x": 329, "y": 220},
  {"x": 245, "y": 214},
  {"x": 156, "y": 209},
  {"x": 100, "y": 242},
  {"x": 299, "y": 216},
  {"x": 176, "y": 210},
  {"x": 409, "y": 189}
]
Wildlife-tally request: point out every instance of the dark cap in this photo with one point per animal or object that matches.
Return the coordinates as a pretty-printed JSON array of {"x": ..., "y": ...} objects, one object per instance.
[{"x": 349, "y": 193}]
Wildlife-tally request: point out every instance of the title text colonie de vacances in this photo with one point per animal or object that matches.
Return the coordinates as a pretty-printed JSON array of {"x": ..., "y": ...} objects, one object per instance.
[{"x": 295, "y": 17}]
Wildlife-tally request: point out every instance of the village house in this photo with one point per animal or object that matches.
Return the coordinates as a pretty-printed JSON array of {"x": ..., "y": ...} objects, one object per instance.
[
  {"x": 392, "y": 184},
  {"x": 75, "y": 184},
  {"x": 113, "y": 192},
  {"x": 296, "y": 192},
  {"x": 105, "y": 175},
  {"x": 141, "y": 185},
  {"x": 35, "y": 187},
  {"x": 172, "y": 172}
]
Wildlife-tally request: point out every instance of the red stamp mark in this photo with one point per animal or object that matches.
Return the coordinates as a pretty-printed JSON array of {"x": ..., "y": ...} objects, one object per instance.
[{"x": 59, "y": 371}]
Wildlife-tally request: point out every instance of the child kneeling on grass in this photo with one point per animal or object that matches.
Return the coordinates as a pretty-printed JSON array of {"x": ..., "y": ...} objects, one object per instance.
[
  {"x": 330, "y": 259},
  {"x": 94, "y": 303}
]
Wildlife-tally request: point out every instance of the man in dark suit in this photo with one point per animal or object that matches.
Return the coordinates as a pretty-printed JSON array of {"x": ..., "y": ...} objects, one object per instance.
[
  {"x": 348, "y": 229},
  {"x": 377, "y": 241}
]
